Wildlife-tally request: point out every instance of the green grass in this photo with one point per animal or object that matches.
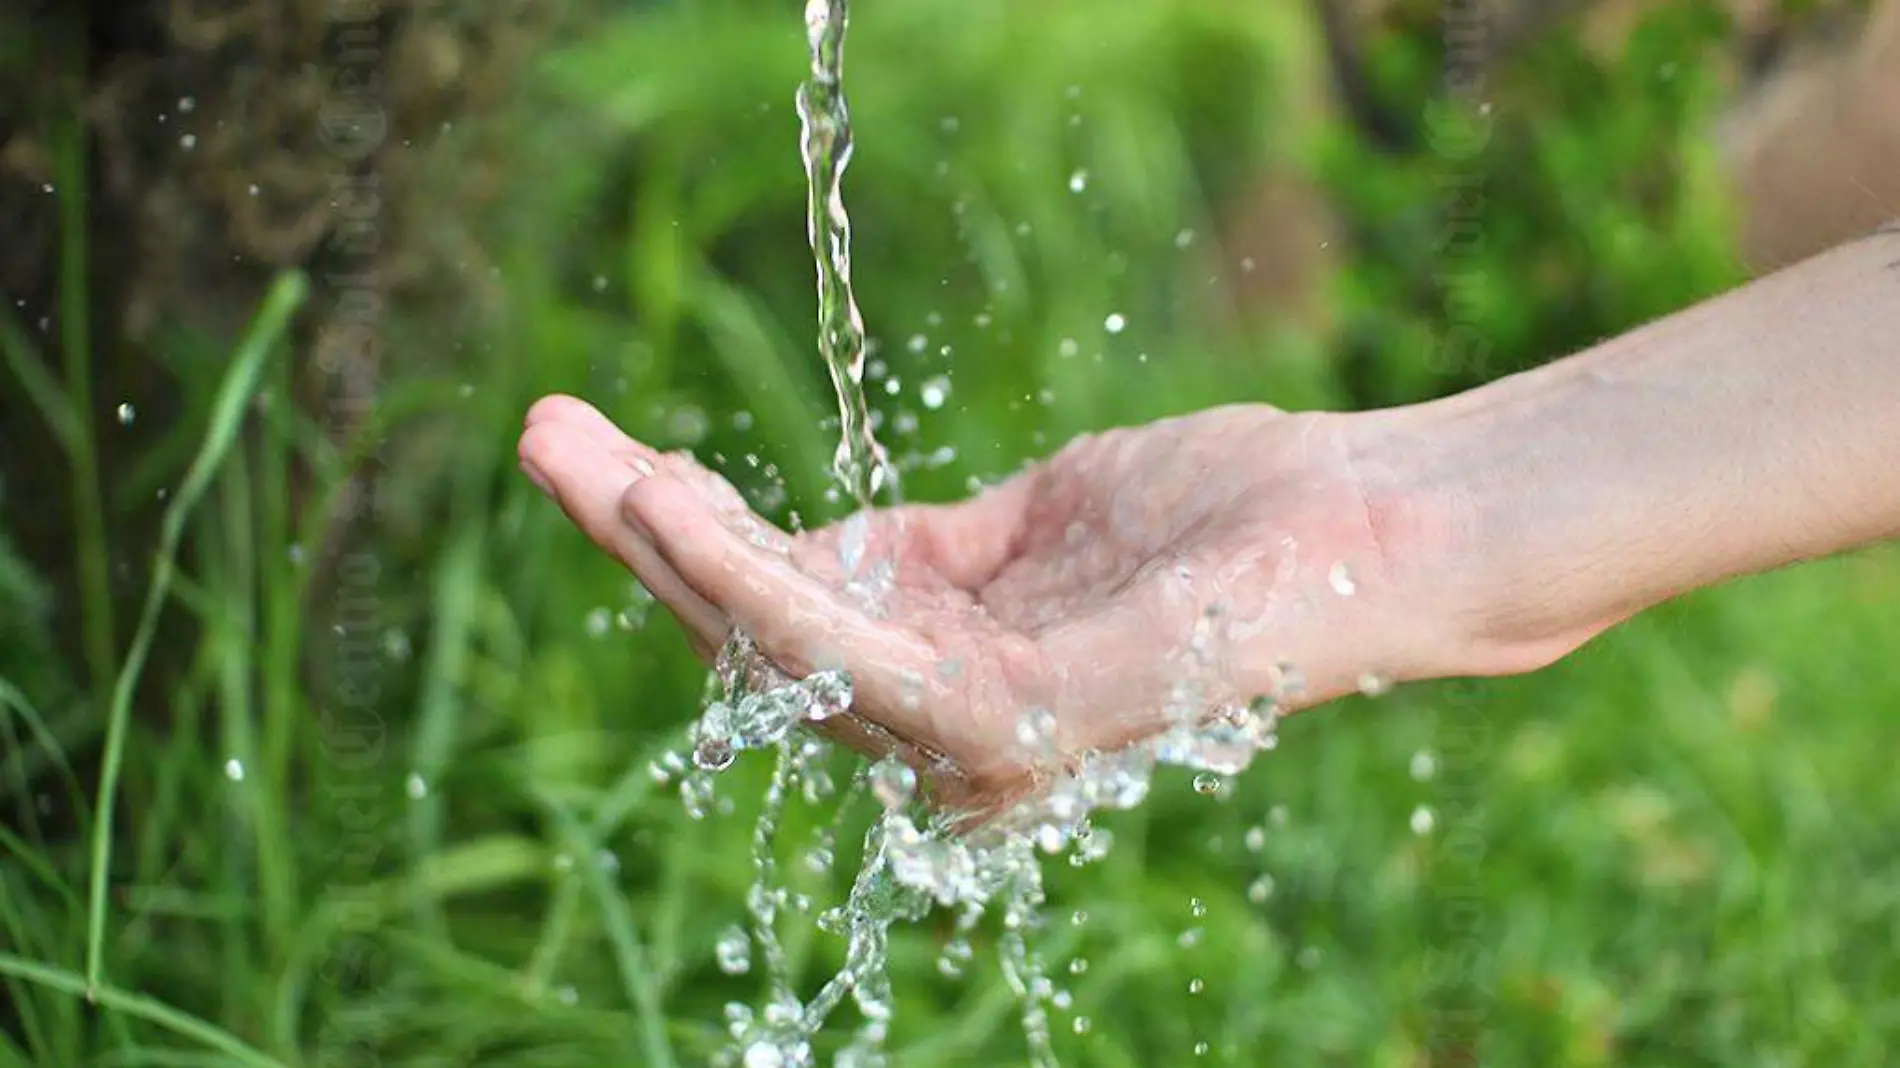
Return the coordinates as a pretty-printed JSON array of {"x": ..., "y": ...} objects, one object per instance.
[{"x": 445, "y": 847}]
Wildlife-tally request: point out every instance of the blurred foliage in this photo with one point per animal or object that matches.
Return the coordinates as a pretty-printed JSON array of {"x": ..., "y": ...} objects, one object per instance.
[
  {"x": 388, "y": 798},
  {"x": 1553, "y": 202}
]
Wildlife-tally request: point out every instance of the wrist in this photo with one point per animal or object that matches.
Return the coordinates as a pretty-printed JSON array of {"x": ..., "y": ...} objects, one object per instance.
[{"x": 1458, "y": 492}]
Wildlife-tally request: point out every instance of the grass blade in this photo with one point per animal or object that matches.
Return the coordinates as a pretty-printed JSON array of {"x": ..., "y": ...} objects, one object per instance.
[
  {"x": 12, "y": 699},
  {"x": 623, "y": 936},
  {"x": 458, "y": 590},
  {"x": 140, "y": 1007},
  {"x": 76, "y": 346},
  {"x": 42, "y": 391},
  {"x": 227, "y": 415}
]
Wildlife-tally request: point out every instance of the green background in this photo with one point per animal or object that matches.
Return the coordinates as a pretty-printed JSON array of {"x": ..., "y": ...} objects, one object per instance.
[{"x": 383, "y": 791}]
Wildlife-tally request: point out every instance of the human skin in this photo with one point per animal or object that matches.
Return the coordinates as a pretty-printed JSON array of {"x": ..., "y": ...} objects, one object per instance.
[
  {"x": 1753, "y": 431},
  {"x": 1195, "y": 563}
]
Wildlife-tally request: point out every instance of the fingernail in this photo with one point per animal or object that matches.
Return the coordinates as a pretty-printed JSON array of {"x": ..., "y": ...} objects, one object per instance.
[
  {"x": 641, "y": 468},
  {"x": 536, "y": 477}
]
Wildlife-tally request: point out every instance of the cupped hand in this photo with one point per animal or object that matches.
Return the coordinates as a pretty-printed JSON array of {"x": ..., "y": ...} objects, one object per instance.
[{"x": 1212, "y": 559}]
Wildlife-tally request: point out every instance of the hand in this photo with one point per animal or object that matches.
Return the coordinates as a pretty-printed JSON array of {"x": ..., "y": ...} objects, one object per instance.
[{"x": 1077, "y": 587}]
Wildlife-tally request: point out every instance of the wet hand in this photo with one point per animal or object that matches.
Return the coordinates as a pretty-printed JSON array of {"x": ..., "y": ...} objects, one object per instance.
[{"x": 1206, "y": 560}]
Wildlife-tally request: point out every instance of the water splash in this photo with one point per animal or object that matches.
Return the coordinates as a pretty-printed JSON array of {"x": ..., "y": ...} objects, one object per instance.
[{"x": 912, "y": 862}]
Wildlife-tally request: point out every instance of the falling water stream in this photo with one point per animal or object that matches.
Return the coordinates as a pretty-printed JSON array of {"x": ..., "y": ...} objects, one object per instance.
[{"x": 911, "y": 863}]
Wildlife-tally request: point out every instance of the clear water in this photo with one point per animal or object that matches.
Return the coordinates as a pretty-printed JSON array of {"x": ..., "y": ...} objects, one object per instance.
[
  {"x": 861, "y": 465},
  {"x": 911, "y": 865}
]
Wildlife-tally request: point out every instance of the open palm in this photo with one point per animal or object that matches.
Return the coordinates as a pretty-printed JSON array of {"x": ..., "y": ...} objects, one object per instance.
[{"x": 1188, "y": 560}]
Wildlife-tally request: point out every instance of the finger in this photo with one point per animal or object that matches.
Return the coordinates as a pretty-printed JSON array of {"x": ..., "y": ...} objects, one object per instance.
[
  {"x": 719, "y": 492},
  {"x": 875, "y": 742},
  {"x": 944, "y": 784},
  {"x": 587, "y": 481},
  {"x": 591, "y": 423},
  {"x": 798, "y": 621},
  {"x": 701, "y": 619}
]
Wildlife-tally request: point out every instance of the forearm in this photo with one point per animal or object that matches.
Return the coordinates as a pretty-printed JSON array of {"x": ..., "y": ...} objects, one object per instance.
[{"x": 1749, "y": 432}]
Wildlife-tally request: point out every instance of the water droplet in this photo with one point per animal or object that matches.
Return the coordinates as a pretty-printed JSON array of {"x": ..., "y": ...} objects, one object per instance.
[
  {"x": 1340, "y": 578},
  {"x": 1207, "y": 783},
  {"x": 892, "y": 783},
  {"x": 688, "y": 425},
  {"x": 599, "y": 622},
  {"x": 608, "y": 861},
  {"x": 714, "y": 754},
  {"x": 934, "y": 391},
  {"x": 1068, "y": 348},
  {"x": 234, "y": 769},
  {"x": 1260, "y": 889},
  {"x": 1078, "y": 966},
  {"x": 1196, "y": 985},
  {"x": 1081, "y": 1025},
  {"x": 1189, "y": 938},
  {"x": 734, "y": 951},
  {"x": 416, "y": 787},
  {"x": 1200, "y": 1049},
  {"x": 1373, "y": 684},
  {"x": 1078, "y": 181},
  {"x": 1197, "y": 907},
  {"x": 1422, "y": 820},
  {"x": 1277, "y": 815},
  {"x": 568, "y": 995},
  {"x": 764, "y": 1054},
  {"x": 127, "y": 413},
  {"x": 564, "y": 862},
  {"x": 1289, "y": 683},
  {"x": 1424, "y": 765},
  {"x": 1255, "y": 839},
  {"x": 1115, "y": 323},
  {"x": 187, "y": 104},
  {"x": 188, "y": 142},
  {"x": 396, "y": 644},
  {"x": 1050, "y": 837},
  {"x": 1036, "y": 731}
]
